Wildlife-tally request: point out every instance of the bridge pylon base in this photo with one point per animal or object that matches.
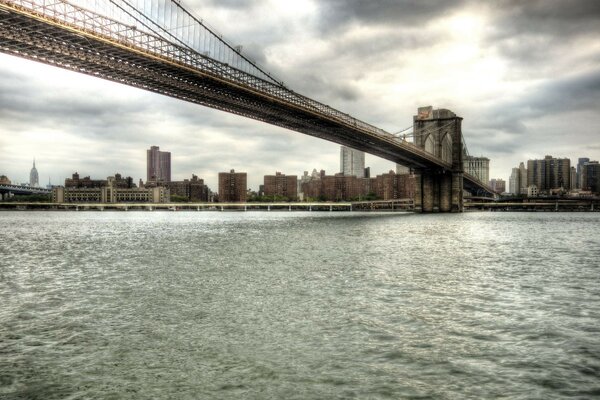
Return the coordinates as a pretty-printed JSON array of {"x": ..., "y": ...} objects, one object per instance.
[{"x": 439, "y": 192}]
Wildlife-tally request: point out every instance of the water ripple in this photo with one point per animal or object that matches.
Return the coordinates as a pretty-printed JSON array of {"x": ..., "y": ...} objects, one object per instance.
[{"x": 299, "y": 305}]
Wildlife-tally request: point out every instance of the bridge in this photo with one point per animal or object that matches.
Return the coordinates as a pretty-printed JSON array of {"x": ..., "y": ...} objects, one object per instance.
[
  {"x": 159, "y": 46},
  {"x": 6, "y": 190}
]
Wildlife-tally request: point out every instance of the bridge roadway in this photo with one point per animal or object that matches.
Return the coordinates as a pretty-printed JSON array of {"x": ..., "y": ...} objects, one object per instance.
[{"x": 64, "y": 35}]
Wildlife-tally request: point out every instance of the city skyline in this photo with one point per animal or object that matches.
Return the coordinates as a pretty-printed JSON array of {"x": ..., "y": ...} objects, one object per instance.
[{"x": 520, "y": 100}]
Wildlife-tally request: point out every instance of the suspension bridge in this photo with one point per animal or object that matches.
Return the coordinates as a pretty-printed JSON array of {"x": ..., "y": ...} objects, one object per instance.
[{"x": 159, "y": 46}]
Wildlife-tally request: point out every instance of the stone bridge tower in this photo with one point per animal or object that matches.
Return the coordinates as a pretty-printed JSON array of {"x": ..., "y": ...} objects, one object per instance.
[{"x": 439, "y": 189}]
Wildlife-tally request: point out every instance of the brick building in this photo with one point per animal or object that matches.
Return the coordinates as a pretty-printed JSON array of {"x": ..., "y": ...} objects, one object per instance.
[
  {"x": 232, "y": 187},
  {"x": 281, "y": 185},
  {"x": 394, "y": 186},
  {"x": 193, "y": 190}
]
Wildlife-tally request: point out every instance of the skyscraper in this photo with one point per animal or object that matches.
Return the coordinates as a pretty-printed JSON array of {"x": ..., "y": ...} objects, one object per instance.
[
  {"x": 479, "y": 167},
  {"x": 580, "y": 163},
  {"x": 158, "y": 165},
  {"x": 514, "y": 182},
  {"x": 34, "y": 179},
  {"x": 590, "y": 176},
  {"x": 523, "y": 179},
  {"x": 518, "y": 180},
  {"x": 352, "y": 162}
]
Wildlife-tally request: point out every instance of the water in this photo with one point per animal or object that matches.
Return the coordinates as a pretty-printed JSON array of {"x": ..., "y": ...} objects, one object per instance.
[{"x": 191, "y": 305}]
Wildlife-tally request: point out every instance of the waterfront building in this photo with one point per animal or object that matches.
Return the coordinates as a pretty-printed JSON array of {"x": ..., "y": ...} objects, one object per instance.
[
  {"x": 111, "y": 192},
  {"x": 498, "y": 185},
  {"x": 281, "y": 185},
  {"x": 580, "y": 163},
  {"x": 194, "y": 189},
  {"x": 549, "y": 174},
  {"x": 523, "y": 179},
  {"x": 352, "y": 162},
  {"x": 86, "y": 182},
  {"x": 340, "y": 187},
  {"x": 306, "y": 178},
  {"x": 34, "y": 179},
  {"x": 479, "y": 167},
  {"x": 513, "y": 182},
  {"x": 532, "y": 191},
  {"x": 590, "y": 177},
  {"x": 232, "y": 186},
  {"x": 394, "y": 186},
  {"x": 573, "y": 179},
  {"x": 158, "y": 165},
  {"x": 4, "y": 180}
]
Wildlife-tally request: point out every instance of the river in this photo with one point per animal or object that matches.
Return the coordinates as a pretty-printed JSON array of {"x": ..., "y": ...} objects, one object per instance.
[{"x": 299, "y": 305}]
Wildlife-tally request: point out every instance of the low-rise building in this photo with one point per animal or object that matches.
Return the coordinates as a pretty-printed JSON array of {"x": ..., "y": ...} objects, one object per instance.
[
  {"x": 110, "y": 193},
  {"x": 281, "y": 185},
  {"x": 340, "y": 187},
  {"x": 394, "y": 186},
  {"x": 532, "y": 191},
  {"x": 193, "y": 190},
  {"x": 4, "y": 180}
]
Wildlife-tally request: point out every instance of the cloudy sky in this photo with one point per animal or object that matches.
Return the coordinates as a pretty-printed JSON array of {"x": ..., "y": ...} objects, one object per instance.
[{"x": 524, "y": 75}]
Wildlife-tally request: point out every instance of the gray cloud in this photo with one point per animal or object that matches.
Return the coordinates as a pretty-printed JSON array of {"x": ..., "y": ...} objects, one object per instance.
[
  {"x": 537, "y": 36},
  {"x": 339, "y": 13}
]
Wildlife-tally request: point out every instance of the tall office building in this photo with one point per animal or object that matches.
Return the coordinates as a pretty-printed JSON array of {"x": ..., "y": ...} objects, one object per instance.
[
  {"x": 498, "y": 185},
  {"x": 590, "y": 176},
  {"x": 352, "y": 162},
  {"x": 549, "y": 174},
  {"x": 158, "y": 165},
  {"x": 514, "y": 184},
  {"x": 232, "y": 186},
  {"x": 573, "y": 179},
  {"x": 518, "y": 180},
  {"x": 580, "y": 164},
  {"x": 479, "y": 167},
  {"x": 523, "y": 178},
  {"x": 34, "y": 179}
]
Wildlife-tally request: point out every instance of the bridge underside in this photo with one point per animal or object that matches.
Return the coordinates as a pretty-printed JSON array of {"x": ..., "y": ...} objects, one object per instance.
[{"x": 25, "y": 36}]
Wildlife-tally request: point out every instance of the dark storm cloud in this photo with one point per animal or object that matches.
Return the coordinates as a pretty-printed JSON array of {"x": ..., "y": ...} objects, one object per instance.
[
  {"x": 536, "y": 34},
  {"x": 570, "y": 94},
  {"x": 338, "y": 13},
  {"x": 546, "y": 17}
]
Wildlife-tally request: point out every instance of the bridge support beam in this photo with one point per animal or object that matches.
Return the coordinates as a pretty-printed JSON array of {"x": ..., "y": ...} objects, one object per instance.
[{"x": 438, "y": 191}]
